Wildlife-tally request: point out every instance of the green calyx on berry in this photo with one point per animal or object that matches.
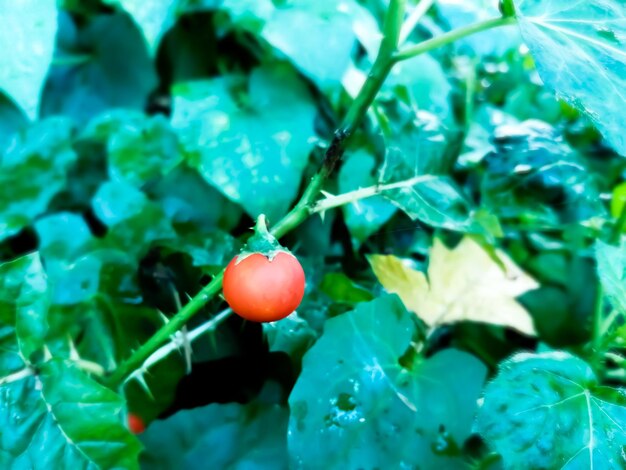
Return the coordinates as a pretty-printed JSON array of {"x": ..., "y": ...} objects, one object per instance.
[{"x": 262, "y": 242}]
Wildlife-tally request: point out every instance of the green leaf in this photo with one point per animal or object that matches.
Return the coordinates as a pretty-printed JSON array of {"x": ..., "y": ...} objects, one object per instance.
[
  {"x": 291, "y": 335},
  {"x": 218, "y": 436},
  {"x": 33, "y": 169},
  {"x": 578, "y": 48},
  {"x": 251, "y": 143},
  {"x": 97, "y": 74},
  {"x": 12, "y": 119},
  {"x": 28, "y": 29},
  {"x": 340, "y": 288},
  {"x": 141, "y": 151},
  {"x": 534, "y": 176},
  {"x": 549, "y": 411},
  {"x": 612, "y": 273},
  {"x": 154, "y": 17},
  {"x": 60, "y": 418},
  {"x": 133, "y": 220},
  {"x": 23, "y": 311},
  {"x": 365, "y": 399},
  {"x": 363, "y": 217}
]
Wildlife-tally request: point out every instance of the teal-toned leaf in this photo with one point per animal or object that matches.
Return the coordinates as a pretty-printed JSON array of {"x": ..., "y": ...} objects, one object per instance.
[
  {"x": 33, "y": 169},
  {"x": 104, "y": 64},
  {"x": 579, "y": 51},
  {"x": 218, "y": 436},
  {"x": 549, "y": 411},
  {"x": 133, "y": 220},
  {"x": 61, "y": 418},
  {"x": 365, "y": 399},
  {"x": 252, "y": 143},
  {"x": 612, "y": 273},
  {"x": 291, "y": 335},
  {"x": 363, "y": 217},
  {"x": 325, "y": 56},
  {"x": 154, "y": 17},
  {"x": 179, "y": 193},
  {"x": 211, "y": 250},
  {"x": 12, "y": 118},
  {"x": 23, "y": 311},
  {"x": 534, "y": 176},
  {"x": 494, "y": 42},
  {"x": 27, "y": 32},
  {"x": 425, "y": 82}
]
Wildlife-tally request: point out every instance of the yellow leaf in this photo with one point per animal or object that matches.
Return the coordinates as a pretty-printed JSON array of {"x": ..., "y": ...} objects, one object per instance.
[{"x": 464, "y": 284}]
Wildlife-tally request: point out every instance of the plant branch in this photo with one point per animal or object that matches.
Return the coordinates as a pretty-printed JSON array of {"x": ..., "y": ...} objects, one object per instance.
[
  {"x": 451, "y": 37},
  {"x": 411, "y": 22},
  {"x": 362, "y": 193}
]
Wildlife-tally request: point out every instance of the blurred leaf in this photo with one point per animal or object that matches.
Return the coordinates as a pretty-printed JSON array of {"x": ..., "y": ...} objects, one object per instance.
[
  {"x": 612, "y": 273},
  {"x": 340, "y": 288},
  {"x": 154, "y": 17},
  {"x": 33, "y": 169},
  {"x": 27, "y": 32},
  {"x": 110, "y": 68},
  {"x": 253, "y": 143},
  {"x": 23, "y": 311},
  {"x": 77, "y": 421},
  {"x": 464, "y": 284},
  {"x": 363, "y": 217},
  {"x": 140, "y": 152},
  {"x": 12, "y": 119},
  {"x": 578, "y": 48},
  {"x": 324, "y": 56},
  {"x": 218, "y": 436},
  {"x": 134, "y": 222},
  {"x": 618, "y": 200},
  {"x": 549, "y": 411},
  {"x": 534, "y": 176},
  {"x": 425, "y": 82},
  {"x": 380, "y": 407},
  {"x": 493, "y": 42},
  {"x": 179, "y": 192},
  {"x": 211, "y": 250}
]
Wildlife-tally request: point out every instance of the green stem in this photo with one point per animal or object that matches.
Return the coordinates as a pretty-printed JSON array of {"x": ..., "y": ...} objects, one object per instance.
[
  {"x": 162, "y": 335},
  {"x": 451, "y": 36}
]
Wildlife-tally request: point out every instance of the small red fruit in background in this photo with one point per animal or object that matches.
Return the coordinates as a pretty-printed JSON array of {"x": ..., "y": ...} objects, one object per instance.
[
  {"x": 136, "y": 424},
  {"x": 265, "y": 282}
]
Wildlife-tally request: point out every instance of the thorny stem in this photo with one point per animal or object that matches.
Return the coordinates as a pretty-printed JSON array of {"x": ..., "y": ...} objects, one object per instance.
[{"x": 388, "y": 55}]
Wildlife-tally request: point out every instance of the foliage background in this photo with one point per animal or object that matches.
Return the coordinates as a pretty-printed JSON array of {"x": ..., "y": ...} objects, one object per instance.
[{"x": 467, "y": 313}]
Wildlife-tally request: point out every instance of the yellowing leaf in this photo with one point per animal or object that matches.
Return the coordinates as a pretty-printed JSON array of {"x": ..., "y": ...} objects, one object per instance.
[{"x": 464, "y": 284}]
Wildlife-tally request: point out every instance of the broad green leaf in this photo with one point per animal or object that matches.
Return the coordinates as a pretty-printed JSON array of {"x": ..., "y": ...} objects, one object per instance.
[
  {"x": 250, "y": 140},
  {"x": 154, "y": 17},
  {"x": 33, "y": 169},
  {"x": 291, "y": 335},
  {"x": 23, "y": 311},
  {"x": 178, "y": 194},
  {"x": 324, "y": 56},
  {"x": 365, "y": 400},
  {"x": 218, "y": 436},
  {"x": 64, "y": 239},
  {"x": 107, "y": 66},
  {"x": 464, "y": 284},
  {"x": 363, "y": 217},
  {"x": 133, "y": 220},
  {"x": 414, "y": 162},
  {"x": 536, "y": 177},
  {"x": 549, "y": 411},
  {"x": 141, "y": 152},
  {"x": 612, "y": 273},
  {"x": 60, "y": 418},
  {"x": 578, "y": 47},
  {"x": 27, "y": 32}
]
